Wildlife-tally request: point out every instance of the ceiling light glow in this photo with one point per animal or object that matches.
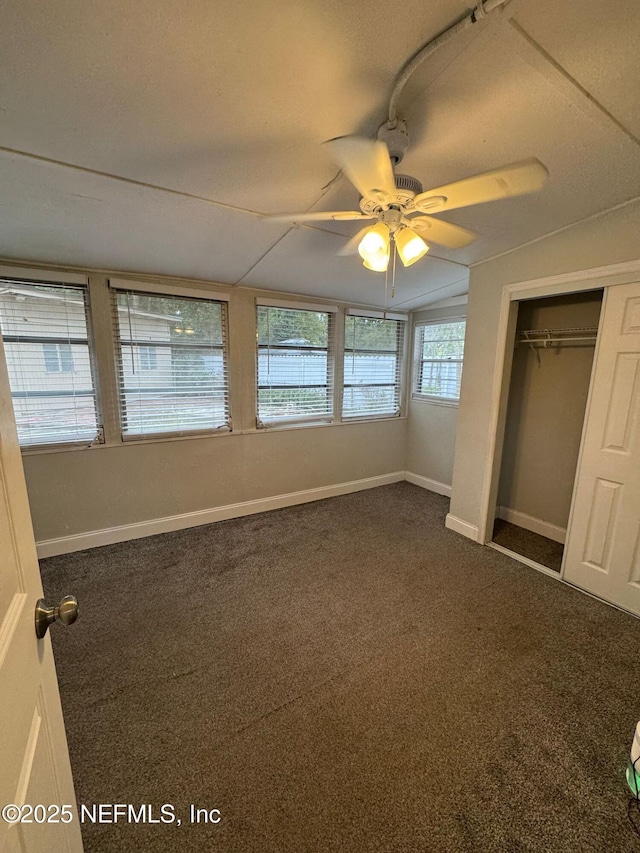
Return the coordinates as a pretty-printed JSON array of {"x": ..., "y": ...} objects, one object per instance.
[
  {"x": 375, "y": 243},
  {"x": 411, "y": 247},
  {"x": 378, "y": 262}
]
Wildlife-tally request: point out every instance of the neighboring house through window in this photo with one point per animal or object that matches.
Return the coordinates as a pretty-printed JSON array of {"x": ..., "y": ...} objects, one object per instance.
[
  {"x": 49, "y": 360},
  {"x": 58, "y": 358},
  {"x": 439, "y": 348},
  {"x": 171, "y": 352},
  {"x": 148, "y": 358},
  {"x": 172, "y": 363}
]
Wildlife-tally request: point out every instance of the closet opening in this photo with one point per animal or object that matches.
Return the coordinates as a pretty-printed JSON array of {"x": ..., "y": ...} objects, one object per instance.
[{"x": 549, "y": 385}]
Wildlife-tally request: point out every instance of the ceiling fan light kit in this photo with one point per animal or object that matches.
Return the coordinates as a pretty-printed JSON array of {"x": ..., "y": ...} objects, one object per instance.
[
  {"x": 375, "y": 246},
  {"x": 398, "y": 202}
]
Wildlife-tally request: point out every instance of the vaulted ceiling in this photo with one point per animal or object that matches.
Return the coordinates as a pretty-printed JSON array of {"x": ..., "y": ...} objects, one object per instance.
[{"x": 149, "y": 136}]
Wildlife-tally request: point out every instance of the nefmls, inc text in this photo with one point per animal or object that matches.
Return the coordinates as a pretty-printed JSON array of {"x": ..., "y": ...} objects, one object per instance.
[{"x": 144, "y": 813}]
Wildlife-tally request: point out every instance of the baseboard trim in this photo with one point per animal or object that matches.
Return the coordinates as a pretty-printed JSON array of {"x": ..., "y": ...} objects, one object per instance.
[
  {"x": 525, "y": 560},
  {"x": 428, "y": 483},
  {"x": 124, "y": 532},
  {"x": 452, "y": 522},
  {"x": 530, "y": 522}
]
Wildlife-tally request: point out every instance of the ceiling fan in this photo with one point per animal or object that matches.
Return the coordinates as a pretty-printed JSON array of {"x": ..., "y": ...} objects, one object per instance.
[{"x": 404, "y": 212}]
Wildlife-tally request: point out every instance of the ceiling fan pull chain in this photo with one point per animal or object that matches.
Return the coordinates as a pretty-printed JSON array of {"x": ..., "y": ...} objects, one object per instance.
[
  {"x": 393, "y": 272},
  {"x": 386, "y": 282}
]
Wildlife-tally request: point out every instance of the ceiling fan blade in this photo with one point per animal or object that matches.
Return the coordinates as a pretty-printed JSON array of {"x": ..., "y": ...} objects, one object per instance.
[
  {"x": 367, "y": 164},
  {"x": 351, "y": 248},
  {"x": 517, "y": 179},
  {"x": 318, "y": 216},
  {"x": 438, "y": 231}
]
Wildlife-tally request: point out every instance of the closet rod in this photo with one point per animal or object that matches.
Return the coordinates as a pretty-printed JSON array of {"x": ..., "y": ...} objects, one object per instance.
[
  {"x": 550, "y": 337},
  {"x": 556, "y": 340},
  {"x": 556, "y": 336},
  {"x": 592, "y": 330}
]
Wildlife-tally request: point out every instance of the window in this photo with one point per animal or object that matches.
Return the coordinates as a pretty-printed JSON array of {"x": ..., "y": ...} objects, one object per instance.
[
  {"x": 49, "y": 361},
  {"x": 172, "y": 364},
  {"x": 148, "y": 358},
  {"x": 295, "y": 365},
  {"x": 58, "y": 358},
  {"x": 373, "y": 349},
  {"x": 438, "y": 364}
]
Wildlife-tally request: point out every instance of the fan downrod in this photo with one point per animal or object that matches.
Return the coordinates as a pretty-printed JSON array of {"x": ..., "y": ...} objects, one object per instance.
[{"x": 396, "y": 139}]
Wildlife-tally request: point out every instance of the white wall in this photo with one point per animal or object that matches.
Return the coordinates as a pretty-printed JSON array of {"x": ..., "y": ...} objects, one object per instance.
[
  {"x": 431, "y": 428},
  {"x": 608, "y": 239},
  {"x": 547, "y": 402},
  {"x": 76, "y": 491}
]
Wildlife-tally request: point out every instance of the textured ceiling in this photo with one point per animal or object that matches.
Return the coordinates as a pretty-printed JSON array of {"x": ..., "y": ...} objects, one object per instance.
[{"x": 148, "y": 137}]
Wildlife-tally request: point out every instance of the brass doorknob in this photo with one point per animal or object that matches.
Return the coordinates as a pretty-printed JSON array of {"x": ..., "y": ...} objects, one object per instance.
[{"x": 66, "y": 612}]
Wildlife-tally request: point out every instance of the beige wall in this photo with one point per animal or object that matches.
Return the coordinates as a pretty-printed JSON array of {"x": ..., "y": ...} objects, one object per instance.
[
  {"x": 431, "y": 429},
  {"x": 547, "y": 401},
  {"x": 83, "y": 490},
  {"x": 608, "y": 239},
  {"x": 79, "y": 491}
]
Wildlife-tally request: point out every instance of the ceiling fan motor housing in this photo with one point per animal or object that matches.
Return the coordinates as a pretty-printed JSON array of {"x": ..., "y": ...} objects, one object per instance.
[
  {"x": 396, "y": 139},
  {"x": 407, "y": 188}
]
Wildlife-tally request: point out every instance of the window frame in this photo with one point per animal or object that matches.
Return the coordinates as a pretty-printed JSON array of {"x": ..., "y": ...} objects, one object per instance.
[
  {"x": 298, "y": 421},
  {"x": 240, "y": 352},
  {"x": 418, "y": 361},
  {"x": 80, "y": 282},
  {"x": 117, "y": 286},
  {"x": 400, "y": 354}
]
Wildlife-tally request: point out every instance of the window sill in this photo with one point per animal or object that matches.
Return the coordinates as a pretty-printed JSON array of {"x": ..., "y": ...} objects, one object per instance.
[
  {"x": 130, "y": 442},
  {"x": 66, "y": 448},
  {"x": 367, "y": 418},
  {"x": 344, "y": 422},
  {"x": 172, "y": 436},
  {"x": 436, "y": 401}
]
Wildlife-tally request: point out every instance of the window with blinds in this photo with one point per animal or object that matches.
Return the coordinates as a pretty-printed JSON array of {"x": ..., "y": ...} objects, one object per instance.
[
  {"x": 172, "y": 364},
  {"x": 373, "y": 350},
  {"x": 439, "y": 354},
  {"x": 49, "y": 360},
  {"x": 295, "y": 365}
]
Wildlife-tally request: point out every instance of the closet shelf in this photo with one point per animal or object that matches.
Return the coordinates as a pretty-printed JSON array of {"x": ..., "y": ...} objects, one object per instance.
[{"x": 549, "y": 337}]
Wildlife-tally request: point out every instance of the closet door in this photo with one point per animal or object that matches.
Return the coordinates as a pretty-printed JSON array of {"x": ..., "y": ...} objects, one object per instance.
[{"x": 602, "y": 554}]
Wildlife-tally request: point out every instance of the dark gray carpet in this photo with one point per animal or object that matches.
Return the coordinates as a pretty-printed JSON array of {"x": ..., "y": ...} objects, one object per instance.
[
  {"x": 528, "y": 544},
  {"x": 345, "y": 676}
]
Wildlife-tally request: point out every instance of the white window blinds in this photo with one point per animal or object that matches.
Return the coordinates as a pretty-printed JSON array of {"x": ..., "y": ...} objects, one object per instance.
[
  {"x": 295, "y": 365},
  {"x": 439, "y": 353},
  {"x": 373, "y": 350},
  {"x": 172, "y": 364},
  {"x": 46, "y": 342}
]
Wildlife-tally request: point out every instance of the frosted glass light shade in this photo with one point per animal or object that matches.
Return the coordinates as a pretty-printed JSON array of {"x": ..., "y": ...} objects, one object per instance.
[
  {"x": 374, "y": 243},
  {"x": 377, "y": 262},
  {"x": 411, "y": 247}
]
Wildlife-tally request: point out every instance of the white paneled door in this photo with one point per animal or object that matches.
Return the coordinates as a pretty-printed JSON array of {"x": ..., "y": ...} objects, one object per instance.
[
  {"x": 603, "y": 547},
  {"x": 34, "y": 761}
]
